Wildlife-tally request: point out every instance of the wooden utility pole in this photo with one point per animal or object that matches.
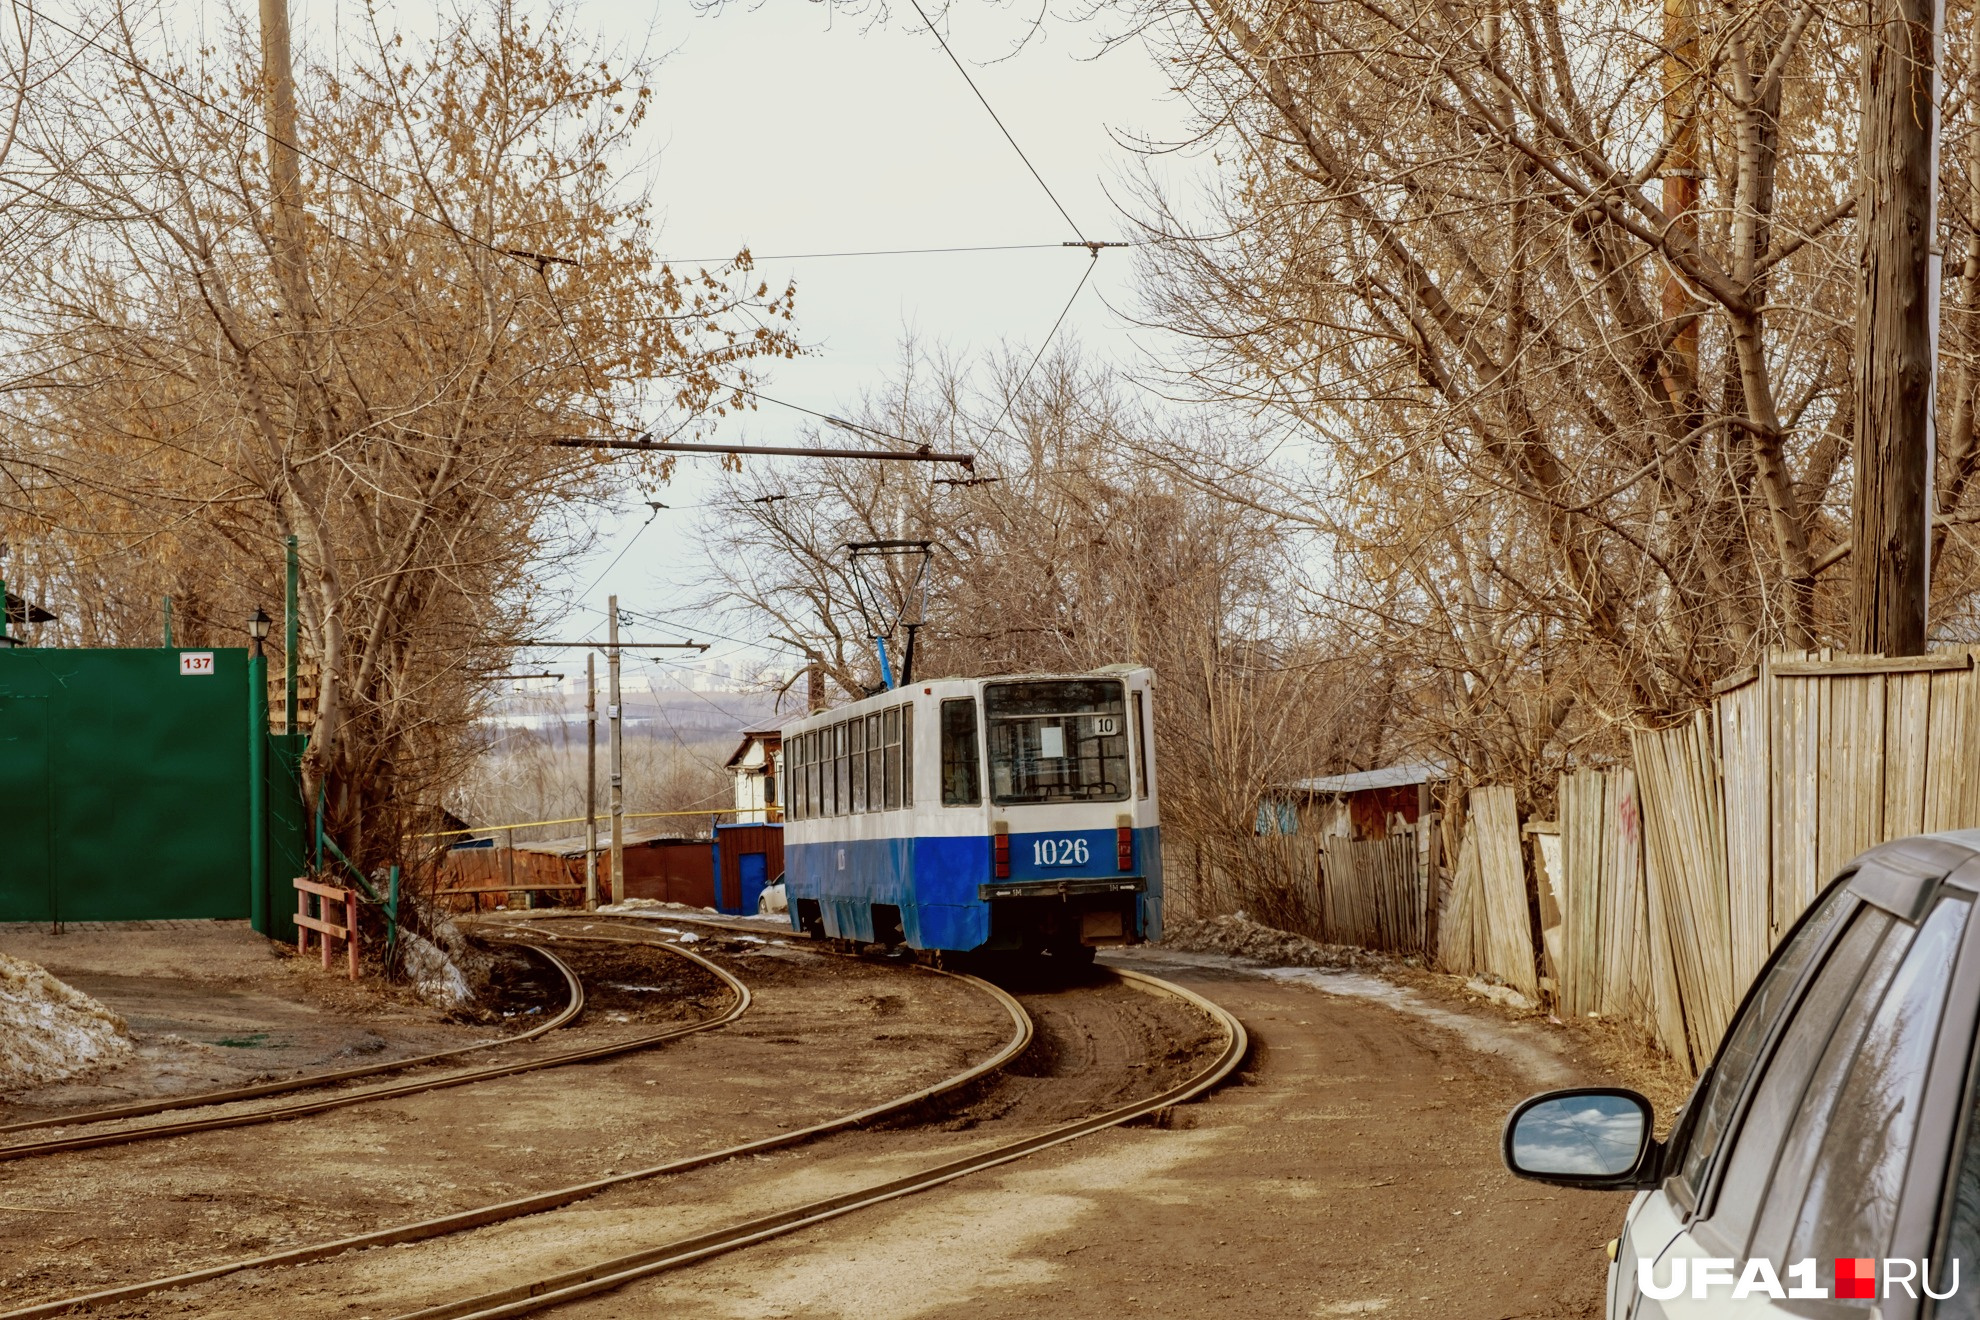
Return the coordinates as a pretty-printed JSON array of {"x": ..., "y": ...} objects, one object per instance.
[
  {"x": 590, "y": 780},
  {"x": 1680, "y": 194},
  {"x": 612, "y": 712},
  {"x": 284, "y": 168},
  {"x": 1896, "y": 327}
]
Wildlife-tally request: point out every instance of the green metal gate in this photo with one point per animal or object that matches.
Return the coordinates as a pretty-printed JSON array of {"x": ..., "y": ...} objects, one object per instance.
[{"x": 124, "y": 784}]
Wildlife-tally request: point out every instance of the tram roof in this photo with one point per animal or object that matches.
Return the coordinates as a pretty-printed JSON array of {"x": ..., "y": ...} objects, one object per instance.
[{"x": 889, "y": 695}]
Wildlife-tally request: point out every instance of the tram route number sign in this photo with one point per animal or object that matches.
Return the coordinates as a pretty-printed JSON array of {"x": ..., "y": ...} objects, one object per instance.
[{"x": 195, "y": 664}]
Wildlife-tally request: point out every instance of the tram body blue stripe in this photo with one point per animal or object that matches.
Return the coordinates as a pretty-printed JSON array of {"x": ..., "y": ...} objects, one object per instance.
[{"x": 933, "y": 880}]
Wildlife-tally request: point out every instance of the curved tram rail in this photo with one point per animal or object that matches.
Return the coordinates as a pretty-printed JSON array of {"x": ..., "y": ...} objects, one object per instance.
[
  {"x": 321, "y": 1104},
  {"x": 573, "y": 1005},
  {"x": 481, "y": 1216},
  {"x": 605, "y": 1276}
]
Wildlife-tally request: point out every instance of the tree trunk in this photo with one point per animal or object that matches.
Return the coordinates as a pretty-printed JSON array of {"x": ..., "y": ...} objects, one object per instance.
[{"x": 1891, "y": 510}]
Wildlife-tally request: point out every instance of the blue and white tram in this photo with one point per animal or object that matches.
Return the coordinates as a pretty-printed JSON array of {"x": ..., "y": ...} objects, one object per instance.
[{"x": 1013, "y": 814}]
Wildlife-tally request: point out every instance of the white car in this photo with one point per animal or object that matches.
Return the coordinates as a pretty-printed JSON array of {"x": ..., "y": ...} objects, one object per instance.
[{"x": 1827, "y": 1163}]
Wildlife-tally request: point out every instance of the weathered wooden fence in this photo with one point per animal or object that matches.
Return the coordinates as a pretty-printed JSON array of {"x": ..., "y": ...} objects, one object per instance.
[
  {"x": 1744, "y": 812},
  {"x": 1487, "y": 925},
  {"x": 1678, "y": 875},
  {"x": 1371, "y": 892}
]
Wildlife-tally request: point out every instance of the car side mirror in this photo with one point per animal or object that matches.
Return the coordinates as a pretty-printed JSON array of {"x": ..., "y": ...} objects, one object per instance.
[{"x": 1594, "y": 1137}]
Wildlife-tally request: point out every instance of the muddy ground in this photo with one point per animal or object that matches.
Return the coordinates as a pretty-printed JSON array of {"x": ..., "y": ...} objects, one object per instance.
[{"x": 1353, "y": 1169}]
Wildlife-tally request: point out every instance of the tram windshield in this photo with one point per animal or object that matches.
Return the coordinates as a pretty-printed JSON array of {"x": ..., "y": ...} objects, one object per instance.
[{"x": 1061, "y": 740}]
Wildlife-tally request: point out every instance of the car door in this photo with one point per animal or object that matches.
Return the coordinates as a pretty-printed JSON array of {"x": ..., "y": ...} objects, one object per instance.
[
  {"x": 1657, "y": 1217},
  {"x": 1813, "y": 1161}
]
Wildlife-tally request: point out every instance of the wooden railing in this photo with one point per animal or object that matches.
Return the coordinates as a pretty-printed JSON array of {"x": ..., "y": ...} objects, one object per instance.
[{"x": 326, "y": 895}]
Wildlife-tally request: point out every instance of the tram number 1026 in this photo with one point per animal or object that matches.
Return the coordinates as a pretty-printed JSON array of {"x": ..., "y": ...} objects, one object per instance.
[{"x": 1059, "y": 852}]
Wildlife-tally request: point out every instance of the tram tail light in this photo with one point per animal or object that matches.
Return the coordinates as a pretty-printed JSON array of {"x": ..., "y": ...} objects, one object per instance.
[
  {"x": 1000, "y": 855},
  {"x": 1124, "y": 848}
]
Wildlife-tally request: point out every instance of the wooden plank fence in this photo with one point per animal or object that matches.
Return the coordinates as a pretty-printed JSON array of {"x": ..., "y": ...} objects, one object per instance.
[
  {"x": 1487, "y": 926},
  {"x": 1371, "y": 892},
  {"x": 1671, "y": 880}
]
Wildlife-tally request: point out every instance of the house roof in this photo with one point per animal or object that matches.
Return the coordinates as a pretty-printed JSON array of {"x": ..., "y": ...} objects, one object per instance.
[
  {"x": 21, "y": 611},
  {"x": 772, "y": 740},
  {"x": 1389, "y": 776}
]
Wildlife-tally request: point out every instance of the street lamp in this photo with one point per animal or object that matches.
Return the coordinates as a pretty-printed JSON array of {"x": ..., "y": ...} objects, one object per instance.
[{"x": 258, "y": 629}]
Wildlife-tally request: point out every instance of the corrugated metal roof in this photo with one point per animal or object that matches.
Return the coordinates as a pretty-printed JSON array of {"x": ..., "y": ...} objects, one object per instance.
[{"x": 1389, "y": 776}]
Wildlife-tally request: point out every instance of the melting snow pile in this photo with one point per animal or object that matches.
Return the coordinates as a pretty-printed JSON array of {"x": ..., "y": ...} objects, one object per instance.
[
  {"x": 435, "y": 977},
  {"x": 50, "y": 1031},
  {"x": 1239, "y": 935}
]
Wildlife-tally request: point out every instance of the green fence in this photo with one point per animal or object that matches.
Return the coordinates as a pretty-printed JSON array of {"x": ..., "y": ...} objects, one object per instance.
[{"x": 124, "y": 788}]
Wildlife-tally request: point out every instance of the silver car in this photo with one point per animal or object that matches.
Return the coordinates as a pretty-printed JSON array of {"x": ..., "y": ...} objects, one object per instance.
[{"x": 1828, "y": 1162}]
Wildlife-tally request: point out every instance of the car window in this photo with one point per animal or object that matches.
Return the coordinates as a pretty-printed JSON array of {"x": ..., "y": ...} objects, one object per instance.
[
  {"x": 1853, "y": 1190},
  {"x": 1722, "y": 1086},
  {"x": 1962, "y": 1246},
  {"x": 1778, "y": 1094},
  {"x": 1852, "y": 1065}
]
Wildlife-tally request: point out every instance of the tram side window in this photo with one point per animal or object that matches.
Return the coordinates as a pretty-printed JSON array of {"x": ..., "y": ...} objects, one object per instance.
[
  {"x": 810, "y": 775},
  {"x": 876, "y": 764},
  {"x": 961, "y": 783},
  {"x": 907, "y": 754},
  {"x": 807, "y": 777},
  {"x": 828, "y": 767},
  {"x": 890, "y": 740},
  {"x": 857, "y": 728}
]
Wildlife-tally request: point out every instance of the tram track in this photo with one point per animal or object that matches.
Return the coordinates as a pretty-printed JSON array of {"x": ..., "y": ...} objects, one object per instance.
[
  {"x": 573, "y": 1005},
  {"x": 570, "y": 1284},
  {"x": 536, "y": 1203},
  {"x": 550, "y": 1290},
  {"x": 739, "y": 1005}
]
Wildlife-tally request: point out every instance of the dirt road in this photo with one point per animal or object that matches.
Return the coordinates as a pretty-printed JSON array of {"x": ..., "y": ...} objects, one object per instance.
[{"x": 1354, "y": 1172}]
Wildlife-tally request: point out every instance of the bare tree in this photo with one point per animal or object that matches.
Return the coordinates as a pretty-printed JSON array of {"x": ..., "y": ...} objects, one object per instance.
[
  {"x": 1070, "y": 552},
  {"x": 373, "y": 365}
]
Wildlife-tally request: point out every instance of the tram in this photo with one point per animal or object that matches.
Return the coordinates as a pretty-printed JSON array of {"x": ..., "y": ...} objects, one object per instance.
[{"x": 1013, "y": 814}]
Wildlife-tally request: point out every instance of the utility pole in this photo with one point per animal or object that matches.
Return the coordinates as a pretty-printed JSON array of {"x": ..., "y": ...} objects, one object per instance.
[
  {"x": 590, "y": 781},
  {"x": 1897, "y": 327},
  {"x": 284, "y": 169},
  {"x": 1681, "y": 79},
  {"x": 613, "y": 712}
]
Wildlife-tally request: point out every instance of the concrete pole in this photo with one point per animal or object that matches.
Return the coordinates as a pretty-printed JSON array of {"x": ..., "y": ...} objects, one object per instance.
[
  {"x": 613, "y": 713},
  {"x": 590, "y": 780}
]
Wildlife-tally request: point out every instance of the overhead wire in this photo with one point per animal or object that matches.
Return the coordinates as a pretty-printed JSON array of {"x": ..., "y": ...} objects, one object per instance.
[
  {"x": 998, "y": 120},
  {"x": 163, "y": 81},
  {"x": 1011, "y": 401},
  {"x": 623, "y": 550},
  {"x": 875, "y": 252}
]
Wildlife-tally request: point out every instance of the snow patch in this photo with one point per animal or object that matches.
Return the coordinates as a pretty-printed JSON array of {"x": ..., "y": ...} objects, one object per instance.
[
  {"x": 435, "y": 977},
  {"x": 51, "y": 1031},
  {"x": 1241, "y": 937}
]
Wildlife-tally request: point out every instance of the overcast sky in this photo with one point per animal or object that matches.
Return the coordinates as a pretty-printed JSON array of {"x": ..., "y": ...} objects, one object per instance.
[{"x": 795, "y": 128}]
